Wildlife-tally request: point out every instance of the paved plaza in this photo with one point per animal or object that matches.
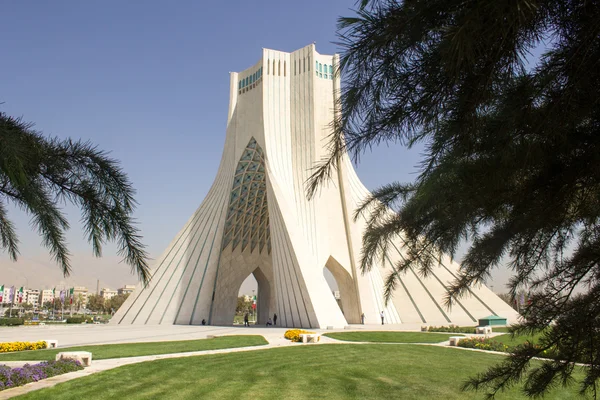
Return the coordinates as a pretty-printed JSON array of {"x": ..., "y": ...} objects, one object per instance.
[{"x": 87, "y": 334}]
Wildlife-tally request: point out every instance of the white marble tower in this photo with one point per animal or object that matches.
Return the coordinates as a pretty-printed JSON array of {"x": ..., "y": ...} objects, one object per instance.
[{"x": 256, "y": 219}]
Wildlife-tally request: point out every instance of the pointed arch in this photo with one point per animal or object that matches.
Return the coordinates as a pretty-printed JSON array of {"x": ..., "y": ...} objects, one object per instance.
[{"x": 348, "y": 295}]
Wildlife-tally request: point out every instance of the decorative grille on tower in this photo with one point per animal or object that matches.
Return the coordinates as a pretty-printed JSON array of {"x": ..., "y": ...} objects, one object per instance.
[{"x": 247, "y": 220}]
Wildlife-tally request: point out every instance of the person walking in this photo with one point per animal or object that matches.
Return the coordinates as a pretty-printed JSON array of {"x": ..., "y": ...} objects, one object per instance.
[
  {"x": 246, "y": 323},
  {"x": 362, "y": 318},
  {"x": 275, "y": 319},
  {"x": 382, "y": 317}
]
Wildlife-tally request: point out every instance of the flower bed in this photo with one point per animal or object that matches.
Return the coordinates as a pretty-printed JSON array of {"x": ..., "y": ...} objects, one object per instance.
[
  {"x": 21, "y": 346},
  {"x": 452, "y": 329},
  {"x": 12, "y": 377},
  {"x": 294, "y": 334},
  {"x": 482, "y": 344}
]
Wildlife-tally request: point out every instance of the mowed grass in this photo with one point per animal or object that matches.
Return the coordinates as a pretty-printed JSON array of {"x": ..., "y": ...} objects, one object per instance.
[
  {"x": 331, "y": 371},
  {"x": 391, "y": 337},
  {"x": 105, "y": 351},
  {"x": 511, "y": 341}
]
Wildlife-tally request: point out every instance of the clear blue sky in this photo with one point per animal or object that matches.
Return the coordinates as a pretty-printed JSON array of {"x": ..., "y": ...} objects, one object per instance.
[{"x": 148, "y": 81}]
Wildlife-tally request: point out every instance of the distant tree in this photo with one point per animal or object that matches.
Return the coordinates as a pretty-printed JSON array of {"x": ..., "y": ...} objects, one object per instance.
[
  {"x": 116, "y": 302},
  {"x": 243, "y": 306},
  {"x": 240, "y": 305},
  {"x": 79, "y": 301},
  {"x": 13, "y": 313},
  {"x": 511, "y": 158},
  {"x": 518, "y": 302},
  {"x": 27, "y": 306},
  {"x": 38, "y": 175},
  {"x": 49, "y": 305},
  {"x": 95, "y": 303}
]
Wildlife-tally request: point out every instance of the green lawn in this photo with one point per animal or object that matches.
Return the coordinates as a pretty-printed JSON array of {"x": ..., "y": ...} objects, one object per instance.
[
  {"x": 104, "y": 351},
  {"x": 391, "y": 337},
  {"x": 334, "y": 371},
  {"x": 508, "y": 340}
]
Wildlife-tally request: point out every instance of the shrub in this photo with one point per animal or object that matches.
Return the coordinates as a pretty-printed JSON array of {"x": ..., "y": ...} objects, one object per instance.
[
  {"x": 294, "y": 334},
  {"x": 79, "y": 320},
  {"x": 482, "y": 343},
  {"x": 11, "y": 321},
  {"x": 12, "y": 377},
  {"x": 21, "y": 346},
  {"x": 552, "y": 353},
  {"x": 452, "y": 329}
]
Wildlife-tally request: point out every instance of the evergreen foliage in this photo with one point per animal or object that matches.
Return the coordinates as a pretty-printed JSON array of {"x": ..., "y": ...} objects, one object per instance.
[
  {"x": 38, "y": 174},
  {"x": 511, "y": 164}
]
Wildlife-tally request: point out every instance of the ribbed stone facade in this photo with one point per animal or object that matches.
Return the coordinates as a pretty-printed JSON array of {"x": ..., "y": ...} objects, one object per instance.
[{"x": 256, "y": 219}]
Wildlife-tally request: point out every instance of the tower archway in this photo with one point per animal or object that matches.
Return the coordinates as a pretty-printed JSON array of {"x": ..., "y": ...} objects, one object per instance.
[
  {"x": 246, "y": 244},
  {"x": 265, "y": 301},
  {"x": 348, "y": 298}
]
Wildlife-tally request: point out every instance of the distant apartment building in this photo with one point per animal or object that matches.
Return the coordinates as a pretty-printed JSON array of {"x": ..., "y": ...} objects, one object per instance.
[
  {"x": 6, "y": 295},
  {"x": 31, "y": 296},
  {"x": 46, "y": 296},
  {"x": 107, "y": 293},
  {"x": 80, "y": 290},
  {"x": 16, "y": 295},
  {"x": 126, "y": 289}
]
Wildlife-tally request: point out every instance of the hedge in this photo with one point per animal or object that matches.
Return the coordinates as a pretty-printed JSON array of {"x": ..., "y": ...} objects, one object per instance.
[
  {"x": 11, "y": 321},
  {"x": 78, "y": 320},
  {"x": 452, "y": 329}
]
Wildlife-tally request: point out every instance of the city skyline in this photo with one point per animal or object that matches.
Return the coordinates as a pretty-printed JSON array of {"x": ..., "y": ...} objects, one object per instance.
[{"x": 11, "y": 296}]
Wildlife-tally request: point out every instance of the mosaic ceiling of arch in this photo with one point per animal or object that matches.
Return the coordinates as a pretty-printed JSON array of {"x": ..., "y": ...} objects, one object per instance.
[{"x": 247, "y": 223}]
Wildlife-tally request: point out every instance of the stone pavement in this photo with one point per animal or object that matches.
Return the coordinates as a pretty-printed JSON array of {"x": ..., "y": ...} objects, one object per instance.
[{"x": 87, "y": 334}]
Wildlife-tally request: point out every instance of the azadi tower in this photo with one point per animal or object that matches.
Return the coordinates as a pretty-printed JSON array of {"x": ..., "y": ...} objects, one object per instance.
[{"x": 256, "y": 219}]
